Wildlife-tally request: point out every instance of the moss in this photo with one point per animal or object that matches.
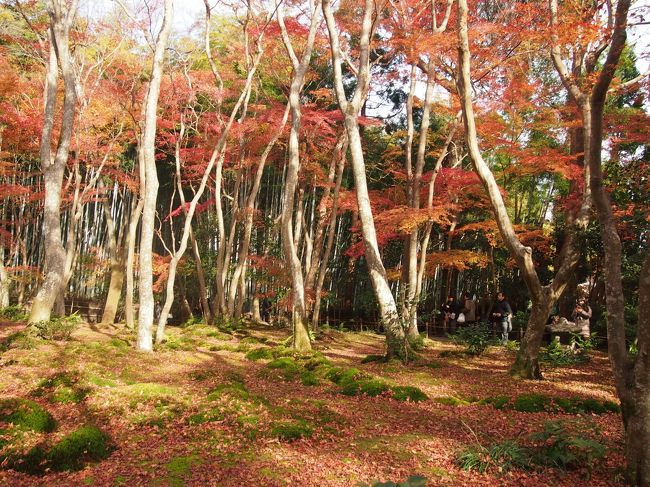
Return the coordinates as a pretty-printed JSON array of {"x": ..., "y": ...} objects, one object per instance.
[
  {"x": 344, "y": 375},
  {"x": 32, "y": 462},
  {"x": 451, "y": 401},
  {"x": 179, "y": 468},
  {"x": 612, "y": 407},
  {"x": 88, "y": 443},
  {"x": 308, "y": 378},
  {"x": 497, "y": 402},
  {"x": 373, "y": 387},
  {"x": 102, "y": 381},
  {"x": 408, "y": 393},
  {"x": 373, "y": 358},
  {"x": 149, "y": 390},
  {"x": 69, "y": 395},
  {"x": 120, "y": 344},
  {"x": 26, "y": 414},
  {"x": 531, "y": 403},
  {"x": 291, "y": 430},
  {"x": 250, "y": 340},
  {"x": 235, "y": 390},
  {"x": 287, "y": 366},
  {"x": 261, "y": 353},
  {"x": 317, "y": 362}
]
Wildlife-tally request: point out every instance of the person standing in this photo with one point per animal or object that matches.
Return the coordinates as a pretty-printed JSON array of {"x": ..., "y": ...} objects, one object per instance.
[
  {"x": 449, "y": 312},
  {"x": 581, "y": 316},
  {"x": 469, "y": 309},
  {"x": 502, "y": 315}
]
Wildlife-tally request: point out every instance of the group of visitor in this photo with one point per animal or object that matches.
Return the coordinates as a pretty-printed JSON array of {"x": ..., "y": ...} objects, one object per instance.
[{"x": 463, "y": 312}]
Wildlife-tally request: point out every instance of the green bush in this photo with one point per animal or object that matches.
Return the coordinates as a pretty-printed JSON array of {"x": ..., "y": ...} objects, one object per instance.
[
  {"x": 57, "y": 328},
  {"x": 308, "y": 378},
  {"x": 13, "y": 313},
  {"x": 562, "y": 449},
  {"x": 88, "y": 443},
  {"x": 26, "y": 414},
  {"x": 557, "y": 355},
  {"x": 532, "y": 403},
  {"x": 408, "y": 393},
  {"x": 476, "y": 338}
]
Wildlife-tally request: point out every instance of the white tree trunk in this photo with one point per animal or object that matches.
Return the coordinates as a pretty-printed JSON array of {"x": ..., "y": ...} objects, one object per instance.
[{"x": 149, "y": 187}]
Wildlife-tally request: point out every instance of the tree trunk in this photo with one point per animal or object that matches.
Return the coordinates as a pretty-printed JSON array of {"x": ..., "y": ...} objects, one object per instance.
[
  {"x": 149, "y": 188},
  {"x": 118, "y": 263},
  {"x": 527, "y": 361},
  {"x": 396, "y": 342},
  {"x": 61, "y": 19}
]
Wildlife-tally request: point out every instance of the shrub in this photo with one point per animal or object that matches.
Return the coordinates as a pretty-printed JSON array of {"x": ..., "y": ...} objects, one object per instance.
[
  {"x": 557, "y": 355},
  {"x": 562, "y": 449},
  {"x": 476, "y": 338},
  {"x": 57, "y": 328},
  {"x": 13, "y": 313},
  {"x": 88, "y": 443},
  {"x": 531, "y": 403},
  {"x": 27, "y": 415},
  {"x": 408, "y": 393},
  {"x": 505, "y": 456}
]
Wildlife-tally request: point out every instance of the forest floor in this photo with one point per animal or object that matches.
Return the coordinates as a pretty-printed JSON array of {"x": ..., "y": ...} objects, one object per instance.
[{"x": 197, "y": 411}]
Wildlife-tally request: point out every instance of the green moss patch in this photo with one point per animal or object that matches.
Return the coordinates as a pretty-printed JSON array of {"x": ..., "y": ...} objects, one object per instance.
[
  {"x": 261, "y": 353},
  {"x": 26, "y": 414},
  {"x": 88, "y": 443},
  {"x": 498, "y": 402},
  {"x": 62, "y": 387},
  {"x": 408, "y": 393},
  {"x": 291, "y": 430},
  {"x": 532, "y": 403},
  {"x": 451, "y": 401},
  {"x": 373, "y": 358},
  {"x": 180, "y": 468}
]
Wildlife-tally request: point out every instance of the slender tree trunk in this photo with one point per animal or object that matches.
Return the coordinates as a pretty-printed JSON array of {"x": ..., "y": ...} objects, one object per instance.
[
  {"x": 149, "y": 188},
  {"x": 4, "y": 280},
  {"x": 301, "y": 340},
  {"x": 61, "y": 19},
  {"x": 396, "y": 342}
]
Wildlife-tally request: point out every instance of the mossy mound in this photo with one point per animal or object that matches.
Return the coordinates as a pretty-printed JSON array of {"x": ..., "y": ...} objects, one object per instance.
[
  {"x": 451, "y": 401},
  {"x": 574, "y": 405},
  {"x": 88, "y": 443},
  {"x": 498, "y": 402},
  {"x": 532, "y": 403},
  {"x": 287, "y": 367},
  {"x": 344, "y": 375},
  {"x": 179, "y": 468},
  {"x": 261, "y": 353},
  {"x": 408, "y": 393},
  {"x": 291, "y": 430},
  {"x": 26, "y": 414}
]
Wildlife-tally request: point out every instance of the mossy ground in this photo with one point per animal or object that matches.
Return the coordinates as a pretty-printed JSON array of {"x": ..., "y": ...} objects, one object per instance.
[{"x": 230, "y": 407}]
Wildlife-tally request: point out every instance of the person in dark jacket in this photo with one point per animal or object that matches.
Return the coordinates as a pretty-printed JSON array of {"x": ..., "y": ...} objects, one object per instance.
[
  {"x": 502, "y": 315},
  {"x": 449, "y": 313}
]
